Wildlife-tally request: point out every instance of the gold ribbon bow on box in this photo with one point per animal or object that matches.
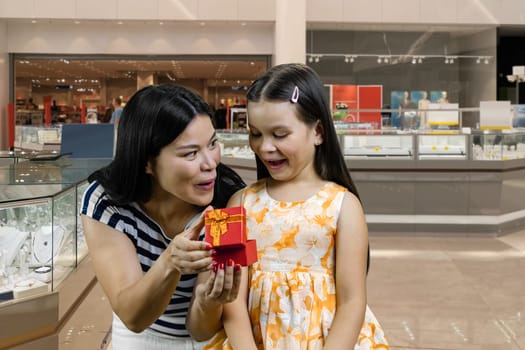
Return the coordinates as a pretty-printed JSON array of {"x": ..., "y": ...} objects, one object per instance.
[{"x": 218, "y": 221}]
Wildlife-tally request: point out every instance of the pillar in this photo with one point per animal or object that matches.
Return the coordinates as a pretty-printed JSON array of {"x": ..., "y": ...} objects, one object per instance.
[
  {"x": 290, "y": 32},
  {"x": 146, "y": 79},
  {"x": 4, "y": 85}
]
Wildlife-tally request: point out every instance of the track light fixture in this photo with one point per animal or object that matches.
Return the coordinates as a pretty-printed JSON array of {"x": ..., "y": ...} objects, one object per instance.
[
  {"x": 399, "y": 59},
  {"x": 349, "y": 59}
]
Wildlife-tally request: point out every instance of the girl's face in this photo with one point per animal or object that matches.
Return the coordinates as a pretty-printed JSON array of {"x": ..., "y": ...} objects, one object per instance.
[
  {"x": 185, "y": 169},
  {"x": 284, "y": 143}
]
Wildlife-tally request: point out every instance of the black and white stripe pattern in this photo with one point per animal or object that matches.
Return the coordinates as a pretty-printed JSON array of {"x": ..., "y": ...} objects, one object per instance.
[{"x": 150, "y": 242}]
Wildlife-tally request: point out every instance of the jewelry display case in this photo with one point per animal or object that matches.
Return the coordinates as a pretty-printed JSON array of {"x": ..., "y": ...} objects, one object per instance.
[
  {"x": 82, "y": 249},
  {"x": 235, "y": 145},
  {"x": 41, "y": 236},
  {"x": 62, "y": 171},
  {"x": 37, "y": 138},
  {"x": 504, "y": 145},
  {"x": 442, "y": 146},
  {"x": 430, "y": 181},
  {"x": 377, "y": 145},
  {"x": 397, "y": 144},
  {"x": 37, "y": 237}
]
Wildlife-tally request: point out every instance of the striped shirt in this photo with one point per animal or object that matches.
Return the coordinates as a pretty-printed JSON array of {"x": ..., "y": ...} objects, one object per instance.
[{"x": 149, "y": 242}]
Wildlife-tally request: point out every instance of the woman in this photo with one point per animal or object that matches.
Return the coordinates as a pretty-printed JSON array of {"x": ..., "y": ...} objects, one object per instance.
[{"x": 142, "y": 220}]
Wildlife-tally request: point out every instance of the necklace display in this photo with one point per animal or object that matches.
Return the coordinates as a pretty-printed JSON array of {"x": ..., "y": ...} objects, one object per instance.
[{"x": 46, "y": 244}]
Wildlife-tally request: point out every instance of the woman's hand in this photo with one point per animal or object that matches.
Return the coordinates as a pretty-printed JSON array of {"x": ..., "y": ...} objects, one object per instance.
[{"x": 189, "y": 255}]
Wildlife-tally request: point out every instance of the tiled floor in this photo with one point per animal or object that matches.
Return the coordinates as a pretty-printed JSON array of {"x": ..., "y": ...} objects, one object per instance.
[
  {"x": 449, "y": 292},
  {"x": 88, "y": 328},
  {"x": 428, "y": 292}
]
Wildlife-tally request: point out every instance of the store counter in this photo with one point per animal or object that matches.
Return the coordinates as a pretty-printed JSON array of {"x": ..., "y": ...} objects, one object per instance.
[{"x": 463, "y": 183}]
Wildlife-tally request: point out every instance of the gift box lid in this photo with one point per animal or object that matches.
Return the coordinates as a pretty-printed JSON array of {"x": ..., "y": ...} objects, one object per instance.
[{"x": 225, "y": 227}]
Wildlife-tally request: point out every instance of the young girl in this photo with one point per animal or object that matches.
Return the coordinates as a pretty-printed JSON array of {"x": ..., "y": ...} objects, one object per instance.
[{"x": 308, "y": 289}]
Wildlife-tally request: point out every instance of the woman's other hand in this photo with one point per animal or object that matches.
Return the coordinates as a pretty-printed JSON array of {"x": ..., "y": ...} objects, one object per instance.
[{"x": 221, "y": 285}]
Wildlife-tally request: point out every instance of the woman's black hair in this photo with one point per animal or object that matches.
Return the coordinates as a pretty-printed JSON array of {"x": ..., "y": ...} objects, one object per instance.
[
  {"x": 153, "y": 117},
  {"x": 279, "y": 83},
  {"x": 301, "y": 85}
]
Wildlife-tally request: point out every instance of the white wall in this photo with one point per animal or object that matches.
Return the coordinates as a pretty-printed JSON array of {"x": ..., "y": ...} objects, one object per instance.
[
  {"x": 417, "y": 11},
  {"x": 139, "y": 38},
  {"x": 343, "y": 11},
  {"x": 4, "y": 84},
  {"x": 222, "y": 10}
]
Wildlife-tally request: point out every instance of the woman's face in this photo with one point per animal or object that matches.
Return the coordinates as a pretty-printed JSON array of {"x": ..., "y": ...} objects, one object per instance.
[
  {"x": 283, "y": 142},
  {"x": 185, "y": 169}
]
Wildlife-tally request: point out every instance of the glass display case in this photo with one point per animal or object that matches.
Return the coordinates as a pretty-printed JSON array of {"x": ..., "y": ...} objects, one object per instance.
[
  {"x": 235, "y": 145},
  {"x": 41, "y": 236},
  {"x": 62, "y": 171},
  {"x": 442, "y": 146},
  {"x": 377, "y": 145},
  {"x": 37, "y": 237},
  {"x": 397, "y": 144},
  {"x": 37, "y": 138},
  {"x": 502, "y": 145},
  {"x": 82, "y": 249}
]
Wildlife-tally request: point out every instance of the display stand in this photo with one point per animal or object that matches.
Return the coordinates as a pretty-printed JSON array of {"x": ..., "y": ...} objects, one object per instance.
[{"x": 238, "y": 118}]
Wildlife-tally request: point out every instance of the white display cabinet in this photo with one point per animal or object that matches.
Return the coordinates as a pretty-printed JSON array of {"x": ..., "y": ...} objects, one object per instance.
[
  {"x": 378, "y": 145},
  {"x": 238, "y": 118},
  {"x": 442, "y": 146}
]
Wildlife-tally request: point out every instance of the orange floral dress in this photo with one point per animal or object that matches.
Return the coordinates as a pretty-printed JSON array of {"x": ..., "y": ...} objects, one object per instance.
[{"x": 292, "y": 300}]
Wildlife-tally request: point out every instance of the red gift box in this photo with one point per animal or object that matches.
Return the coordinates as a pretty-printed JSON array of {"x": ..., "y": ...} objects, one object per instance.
[
  {"x": 243, "y": 255},
  {"x": 225, "y": 227},
  {"x": 226, "y": 232}
]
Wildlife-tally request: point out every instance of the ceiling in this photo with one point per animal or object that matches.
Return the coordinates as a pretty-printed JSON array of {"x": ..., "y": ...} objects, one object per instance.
[{"x": 217, "y": 72}]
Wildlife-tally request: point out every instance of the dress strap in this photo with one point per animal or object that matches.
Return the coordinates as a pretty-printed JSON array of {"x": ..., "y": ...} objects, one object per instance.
[{"x": 242, "y": 197}]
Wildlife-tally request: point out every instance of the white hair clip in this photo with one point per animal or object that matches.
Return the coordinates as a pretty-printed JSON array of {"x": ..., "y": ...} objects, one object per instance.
[{"x": 295, "y": 95}]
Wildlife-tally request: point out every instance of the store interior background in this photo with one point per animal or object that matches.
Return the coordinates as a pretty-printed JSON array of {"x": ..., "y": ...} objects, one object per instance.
[
  {"x": 76, "y": 80},
  {"x": 483, "y": 58},
  {"x": 450, "y": 291}
]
